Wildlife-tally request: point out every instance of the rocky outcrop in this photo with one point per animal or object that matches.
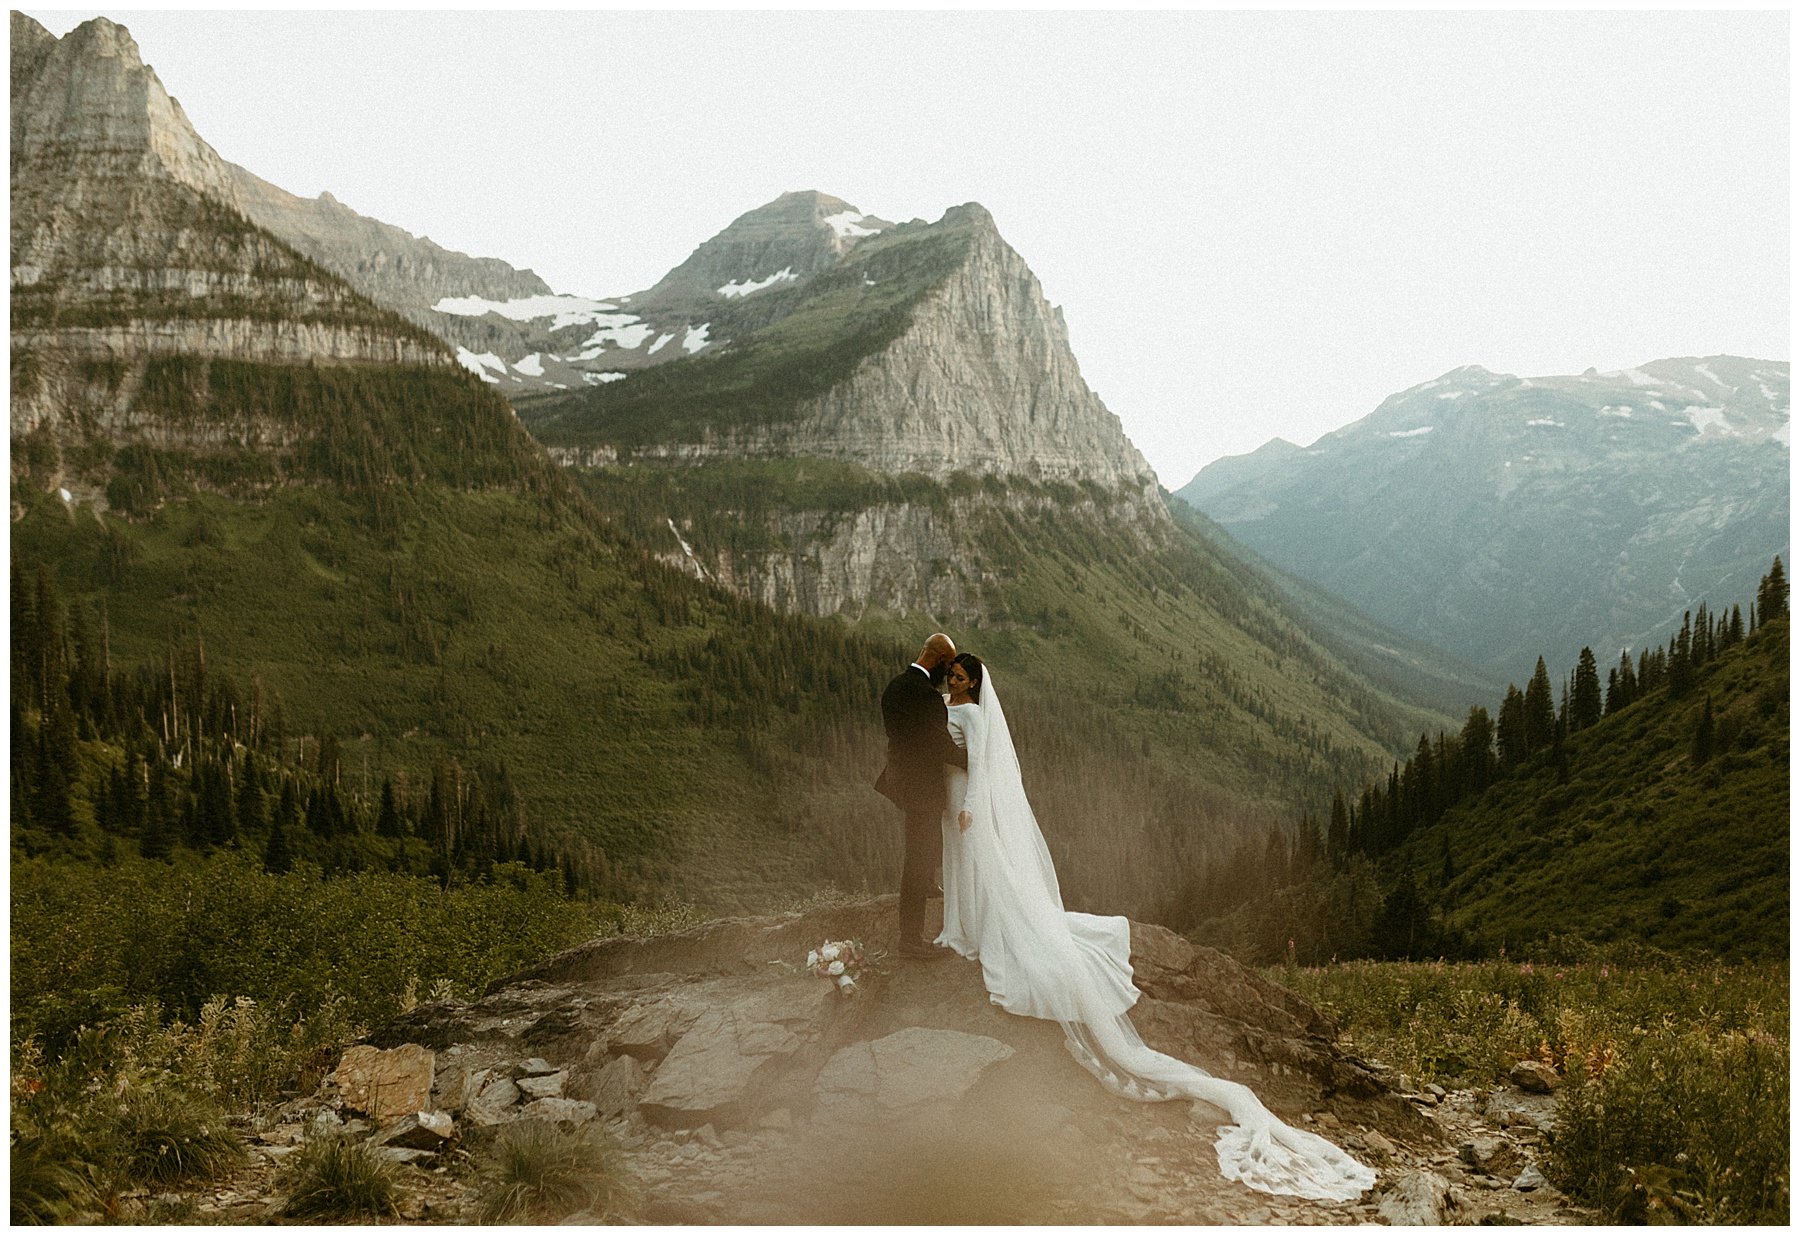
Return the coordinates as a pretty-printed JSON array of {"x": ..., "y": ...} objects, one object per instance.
[
  {"x": 129, "y": 243},
  {"x": 983, "y": 382},
  {"x": 90, "y": 98},
  {"x": 729, "y": 1076}
]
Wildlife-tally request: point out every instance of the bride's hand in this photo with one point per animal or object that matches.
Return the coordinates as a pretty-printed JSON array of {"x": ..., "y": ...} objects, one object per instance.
[{"x": 963, "y": 820}]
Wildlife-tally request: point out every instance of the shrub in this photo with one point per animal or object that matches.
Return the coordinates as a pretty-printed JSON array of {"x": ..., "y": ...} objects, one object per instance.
[
  {"x": 539, "y": 1172},
  {"x": 1678, "y": 1125},
  {"x": 47, "y": 1183},
  {"x": 334, "y": 1176},
  {"x": 163, "y": 1136}
]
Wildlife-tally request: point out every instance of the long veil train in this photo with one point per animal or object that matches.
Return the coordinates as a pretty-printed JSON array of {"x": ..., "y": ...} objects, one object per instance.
[{"x": 1039, "y": 960}]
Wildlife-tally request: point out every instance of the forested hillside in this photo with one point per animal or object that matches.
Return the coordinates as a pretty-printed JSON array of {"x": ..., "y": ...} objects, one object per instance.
[{"x": 1653, "y": 808}]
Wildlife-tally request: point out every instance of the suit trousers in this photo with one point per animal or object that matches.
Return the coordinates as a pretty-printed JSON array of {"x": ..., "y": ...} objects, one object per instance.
[{"x": 924, "y": 855}]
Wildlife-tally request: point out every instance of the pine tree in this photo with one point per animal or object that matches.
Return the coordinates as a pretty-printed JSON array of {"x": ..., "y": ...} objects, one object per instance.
[
  {"x": 1511, "y": 730},
  {"x": 1585, "y": 704},
  {"x": 157, "y": 840},
  {"x": 1772, "y": 595},
  {"x": 1540, "y": 710},
  {"x": 1477, "y": 751},
  {"x": 1337, "y": 838},
  {"x": 387, "y": 821},
  {"x": 278, "y": 855}
]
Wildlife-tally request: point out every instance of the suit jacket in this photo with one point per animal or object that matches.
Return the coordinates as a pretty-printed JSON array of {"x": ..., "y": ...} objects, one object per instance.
[{"x": 919, "y": 745}]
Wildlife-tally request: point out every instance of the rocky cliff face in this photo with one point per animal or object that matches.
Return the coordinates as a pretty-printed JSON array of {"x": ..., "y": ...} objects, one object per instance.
[
  {"x": 387, "y": 264},
  {"x": 129, "y": 245},
  {"x": 969, "y": 370}
]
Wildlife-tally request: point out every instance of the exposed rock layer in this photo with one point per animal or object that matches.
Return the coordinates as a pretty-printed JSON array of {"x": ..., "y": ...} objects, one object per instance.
[{"x": 129, "y": 244}]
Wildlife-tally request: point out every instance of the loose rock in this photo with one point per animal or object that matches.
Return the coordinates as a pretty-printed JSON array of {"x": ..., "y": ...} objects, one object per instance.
[
  {"x": 1535, "y": 1076},
  {"x": 1418, "y": 1199},
  {"x": 418, "y": 1131}
]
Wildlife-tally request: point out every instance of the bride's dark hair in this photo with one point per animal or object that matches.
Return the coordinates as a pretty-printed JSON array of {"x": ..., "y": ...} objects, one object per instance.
[{"x": 973, "y": 668}]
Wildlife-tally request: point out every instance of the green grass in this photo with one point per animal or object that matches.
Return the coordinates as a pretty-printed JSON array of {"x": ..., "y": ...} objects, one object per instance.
[
  {"x": 539, "y": 1173},
  {"x": 1675, "y": 1076},
  {"x": 334, "y": 1176}
]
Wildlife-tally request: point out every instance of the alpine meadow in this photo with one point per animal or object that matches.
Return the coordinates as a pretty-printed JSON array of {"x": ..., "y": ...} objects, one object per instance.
[{"x": 392, "y": 636}]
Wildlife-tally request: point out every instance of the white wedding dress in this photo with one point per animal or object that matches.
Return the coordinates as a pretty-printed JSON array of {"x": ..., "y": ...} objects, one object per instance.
[{"x": 1003, "y": 907}]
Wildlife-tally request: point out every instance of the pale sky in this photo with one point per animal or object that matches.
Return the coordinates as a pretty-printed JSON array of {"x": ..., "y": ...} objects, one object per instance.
[{"x": 1258, "y": 224}]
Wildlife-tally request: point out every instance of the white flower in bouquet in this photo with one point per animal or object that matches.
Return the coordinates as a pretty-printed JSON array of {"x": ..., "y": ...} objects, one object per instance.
[
  {"x": 835, "y": 968},
  {"x": 812, "y": 960},
  {"x": 846, "y": 983},
  {"x": 830, "y": 952}
]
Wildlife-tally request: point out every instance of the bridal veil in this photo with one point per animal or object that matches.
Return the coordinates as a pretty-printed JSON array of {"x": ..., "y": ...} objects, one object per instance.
[{"x": 1039, "y": 960}]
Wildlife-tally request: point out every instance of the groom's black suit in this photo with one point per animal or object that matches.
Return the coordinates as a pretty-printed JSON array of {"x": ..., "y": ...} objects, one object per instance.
[{"x": 919, "y": 745}]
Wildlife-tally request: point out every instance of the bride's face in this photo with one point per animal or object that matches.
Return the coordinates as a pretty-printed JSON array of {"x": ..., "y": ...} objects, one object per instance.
[{"x": 959, "y": 680}]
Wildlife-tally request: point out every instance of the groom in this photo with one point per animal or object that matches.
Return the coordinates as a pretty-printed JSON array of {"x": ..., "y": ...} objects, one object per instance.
[{"x": 919, "y": 746}]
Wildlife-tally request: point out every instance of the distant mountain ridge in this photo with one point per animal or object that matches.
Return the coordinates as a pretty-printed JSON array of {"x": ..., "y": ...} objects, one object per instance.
[{"x": 1500, "y": 517}]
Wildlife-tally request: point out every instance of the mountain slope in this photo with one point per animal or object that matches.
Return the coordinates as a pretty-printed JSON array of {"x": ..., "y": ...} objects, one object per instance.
[
  {"x": 1408, "y": 668},
  {"x": 224, "y": 447},
  {"x": 1499, "y": 518},
  {"x": 1639, "y": 832}
]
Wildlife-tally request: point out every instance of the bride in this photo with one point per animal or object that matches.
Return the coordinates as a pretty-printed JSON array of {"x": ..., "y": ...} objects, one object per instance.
[{"x": 1003, "y": 907}]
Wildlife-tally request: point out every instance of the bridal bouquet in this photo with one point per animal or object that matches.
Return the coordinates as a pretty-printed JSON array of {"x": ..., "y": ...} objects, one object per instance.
[{"x": 841, "y": 961}]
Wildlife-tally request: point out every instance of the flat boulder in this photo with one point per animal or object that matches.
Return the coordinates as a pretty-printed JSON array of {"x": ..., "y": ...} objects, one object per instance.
[
  {"x": 904, "y": 1073},
  {"x": 710, "y": 1074}
]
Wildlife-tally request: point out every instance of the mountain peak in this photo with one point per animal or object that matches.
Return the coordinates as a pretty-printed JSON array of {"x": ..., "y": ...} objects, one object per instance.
[
  {"x": 780, "y": 242},
  {"x": 90, "y": 95}
]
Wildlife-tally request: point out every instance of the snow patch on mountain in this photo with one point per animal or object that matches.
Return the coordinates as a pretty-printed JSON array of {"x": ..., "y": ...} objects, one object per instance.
[
  {"x": 845, "y": 223},
  {"x": 1544, "y": 420},
  {"x": 1412, "y": 433},
  {"x": 1709, "y": 418},
  {"x": 661, "y": 342},
  {"x": 601, "y": 379},
  {"x": 1636, "y": 377},
  {"x": 735, "y": 289},
  {"x": 623, "y": 330},
  {"x": 531, "y": 366},
  {"x": 696, "y": 337},
  {"x": 566, "y": 310},
  {"x": 479, "y": 364},
  {"x": 1712, "y": 377}
]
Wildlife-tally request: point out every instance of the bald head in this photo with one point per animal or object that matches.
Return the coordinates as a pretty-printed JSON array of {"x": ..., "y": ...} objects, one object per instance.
[{"x": 938, "y": 651}]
